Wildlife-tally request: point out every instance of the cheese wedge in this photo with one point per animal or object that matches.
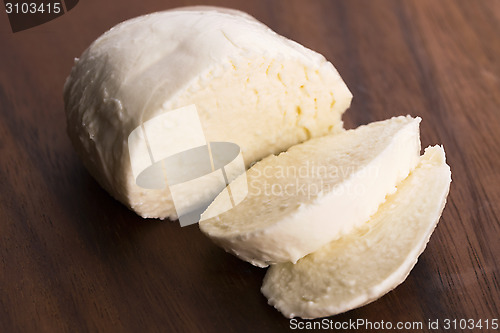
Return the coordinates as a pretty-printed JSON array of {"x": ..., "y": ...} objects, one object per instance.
[
  {"x": 315, "y": 192},
  {"x": 250, "y": 86},
  {"x": 366, "y": 264}
]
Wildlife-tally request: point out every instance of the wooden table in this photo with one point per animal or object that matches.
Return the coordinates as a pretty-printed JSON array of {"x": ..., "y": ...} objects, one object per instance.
[{"x": 73, "y": 259}]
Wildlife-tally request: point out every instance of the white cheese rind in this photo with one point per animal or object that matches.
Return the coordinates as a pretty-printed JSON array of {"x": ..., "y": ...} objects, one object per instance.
[
  {"x": 366, "y": 264},
  {"x": 315, "y": 192},
  {"x": 251, "y": 87}
]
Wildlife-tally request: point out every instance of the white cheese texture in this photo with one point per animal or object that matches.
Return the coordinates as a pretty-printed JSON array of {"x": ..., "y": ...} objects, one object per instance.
[
  {"x": 315, "y": 192},
  {"x": 375, "y": 258},
  {"x": 250, "y": 86}
]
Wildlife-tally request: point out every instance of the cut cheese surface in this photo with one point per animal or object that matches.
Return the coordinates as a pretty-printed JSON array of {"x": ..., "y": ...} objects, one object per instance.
[
  {"x": 366, "y": 264},
  {"x": 315, "y": 192},
  {"x": 251, "y": 87}
]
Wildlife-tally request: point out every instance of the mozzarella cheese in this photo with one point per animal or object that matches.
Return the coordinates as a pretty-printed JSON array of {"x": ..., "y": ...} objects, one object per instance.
[
  {"x": 368, "y": 263},
  {"x": 315, "y": 192},
  {"x": 251, "y": 87}
]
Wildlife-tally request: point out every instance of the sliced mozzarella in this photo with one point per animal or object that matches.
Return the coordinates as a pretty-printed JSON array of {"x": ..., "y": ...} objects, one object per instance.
[
  {"x": 366, "y": 264},
  {"x": 315, "y": 192}
]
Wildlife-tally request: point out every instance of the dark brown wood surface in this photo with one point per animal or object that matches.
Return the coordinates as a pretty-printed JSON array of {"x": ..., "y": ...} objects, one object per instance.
[{"x": 73, "y": 259}]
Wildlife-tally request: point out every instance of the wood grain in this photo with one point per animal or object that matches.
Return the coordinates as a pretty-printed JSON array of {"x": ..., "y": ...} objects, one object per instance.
[{"x": 73, "y": 259}]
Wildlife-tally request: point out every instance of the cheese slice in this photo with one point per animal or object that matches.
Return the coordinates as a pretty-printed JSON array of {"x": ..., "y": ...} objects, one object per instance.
[
  {"x": 366, "y": 264},
  {"x": 315, "y": 192},
  {"x": 250, "y": 86}
]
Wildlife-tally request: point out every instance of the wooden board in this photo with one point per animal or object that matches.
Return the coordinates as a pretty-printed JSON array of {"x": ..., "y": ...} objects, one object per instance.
[{"x": 73, "y": 259}]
